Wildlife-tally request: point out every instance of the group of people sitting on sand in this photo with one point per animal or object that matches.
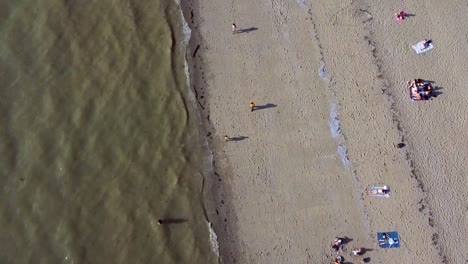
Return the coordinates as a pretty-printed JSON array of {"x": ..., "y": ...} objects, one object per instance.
[
  {"x": 337, "y": 246},
  {"x": 420, "y": 89}
]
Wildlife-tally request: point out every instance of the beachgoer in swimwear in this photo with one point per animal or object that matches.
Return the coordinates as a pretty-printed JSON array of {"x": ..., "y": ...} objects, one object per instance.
[
  {"x": 339, "y": 259},
  {"x": 358, "y": 251},
  {"x": 419, "y": 82},
  {"x": 425, "y": 43},
  {"x": 429, "y": 87},
  {"x": 336, "y": 244},
  {"x": 413, "y": 86},
  {"x": 252, "y": 106},
  {"x": 378, "y": 191},
  {"x": 337, "y": 241},
  {"x": 401, "y": 15}
]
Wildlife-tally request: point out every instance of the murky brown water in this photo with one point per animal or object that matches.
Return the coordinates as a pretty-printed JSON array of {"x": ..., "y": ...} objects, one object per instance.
[{"x": 96, "y": 142}]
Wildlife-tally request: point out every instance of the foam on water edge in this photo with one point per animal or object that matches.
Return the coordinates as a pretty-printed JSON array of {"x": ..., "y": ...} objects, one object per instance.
[{"x": 213, "y": 238}]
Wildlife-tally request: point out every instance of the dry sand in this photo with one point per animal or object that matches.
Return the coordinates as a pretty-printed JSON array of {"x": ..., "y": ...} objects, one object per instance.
[{"x": 281, "y": 194}]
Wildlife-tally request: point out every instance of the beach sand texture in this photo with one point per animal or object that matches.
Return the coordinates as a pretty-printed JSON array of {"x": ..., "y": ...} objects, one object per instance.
[{"x": 335, "y": 73}]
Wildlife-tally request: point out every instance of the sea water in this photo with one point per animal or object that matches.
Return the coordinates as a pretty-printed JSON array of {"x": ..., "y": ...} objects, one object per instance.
[{"x": 97, "y": 136}]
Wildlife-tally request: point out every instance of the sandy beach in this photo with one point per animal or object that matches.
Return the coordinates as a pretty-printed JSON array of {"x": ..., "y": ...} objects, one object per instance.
[{"x": 329, "y": 82}]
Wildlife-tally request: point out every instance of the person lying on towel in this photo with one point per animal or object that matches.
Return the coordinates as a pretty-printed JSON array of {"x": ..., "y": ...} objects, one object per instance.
[
  {"x": 425, "y": 44},
  {"x": 379, "y": 191}
]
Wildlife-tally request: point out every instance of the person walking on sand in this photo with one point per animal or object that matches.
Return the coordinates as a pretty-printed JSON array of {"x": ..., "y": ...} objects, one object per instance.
[
  {"x": 252, "y": 106},
  {"x": 226, "y": 138},
  {"x": 234, "y": 28}
]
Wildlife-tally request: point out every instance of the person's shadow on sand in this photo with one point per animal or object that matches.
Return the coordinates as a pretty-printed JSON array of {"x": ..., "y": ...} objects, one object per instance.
[
  {"x": 265, "y": 106},
  {"x": 345, "y": 240},
  {"x": 239, "y": 138},
  {"x": 245, "y": 30},
  {"x": 436, "y": 92},
  {"x": 365, "y": 250}
]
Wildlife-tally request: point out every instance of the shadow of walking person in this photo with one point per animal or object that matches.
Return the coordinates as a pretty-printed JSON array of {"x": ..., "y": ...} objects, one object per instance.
[
  {"x": 239, "y": 138},
  {"x": 260, "y": 107},
  {"x": 246, "y": 30}
]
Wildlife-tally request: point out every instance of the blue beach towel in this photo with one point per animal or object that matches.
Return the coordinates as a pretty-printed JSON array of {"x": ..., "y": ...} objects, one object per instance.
[
  {"x": 392, "y": 240},
  {"x": 417, "y": 47}
]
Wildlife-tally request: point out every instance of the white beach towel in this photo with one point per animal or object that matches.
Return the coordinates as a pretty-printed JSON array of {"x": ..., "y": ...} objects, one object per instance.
[{"x": 417, "y": 47}]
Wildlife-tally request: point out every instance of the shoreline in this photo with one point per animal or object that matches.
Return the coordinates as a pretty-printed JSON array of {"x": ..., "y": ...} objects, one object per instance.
[{"x": 214, "y": 192}]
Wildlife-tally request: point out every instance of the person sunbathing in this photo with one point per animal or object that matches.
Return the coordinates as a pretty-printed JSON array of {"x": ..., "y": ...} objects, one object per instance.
[
  {"x": 414, "y": 83},
  {"x": 378, "y": 191},
  {"x": 417, "y": 96},
  {"x": 424, "y": 93},
  {"x": 429, "y": 87},
  {"x": 425, "y": 44}
]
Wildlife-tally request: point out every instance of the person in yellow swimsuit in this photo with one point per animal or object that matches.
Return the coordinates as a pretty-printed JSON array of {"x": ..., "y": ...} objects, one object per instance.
[{"x": 252, "y": 106}]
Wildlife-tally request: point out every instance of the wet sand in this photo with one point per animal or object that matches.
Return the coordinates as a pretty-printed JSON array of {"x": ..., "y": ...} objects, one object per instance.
[{"x": 332, "y": 79}]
